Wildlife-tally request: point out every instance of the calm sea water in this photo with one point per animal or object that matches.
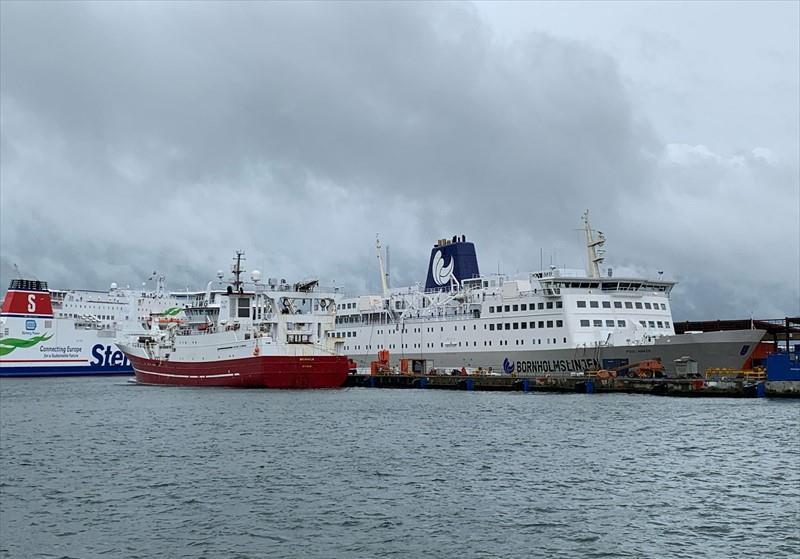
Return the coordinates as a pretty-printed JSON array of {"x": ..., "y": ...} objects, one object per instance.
[{"x": 98, "y": 468}]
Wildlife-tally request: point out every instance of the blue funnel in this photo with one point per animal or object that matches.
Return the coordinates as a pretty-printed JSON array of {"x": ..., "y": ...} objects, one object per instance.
[{"x": 451, "y": 259}]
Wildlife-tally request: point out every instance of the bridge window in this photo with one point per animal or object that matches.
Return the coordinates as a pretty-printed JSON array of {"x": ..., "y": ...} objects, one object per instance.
[
  {"x": 516, "y": 326},
  {"x": 617, "y": 304},
  {"x": 533, "y": 324},
  {"x": 598, "y": 323},
  {"x": 549, "y": 323},
  {"x": 638, "y": 305},
  {"x": 550, "y": 305},
  {"x": 524, "y": 307},
  {"x": 541, "y": 324},
  {"x": 559, "y": 323},
  {"x": 581, "y": 304},
  {"x": 515, "y": 307},
  {"x": 663, "y": 307},
  {"x": 606, "y": 304},
  {"x": 508, "y": 326},
  {"x": 559, "y": 304},
  {"x": 593, "y": 304},
  {"x": 660, "y": 324},
  {"x": 491, "y": 327},
  {"x": 491, "y": 309},
  {"x": 628, "y": 305},
  {"x": 540, "y": 306},
  {"x": 610, "y": 323},
  {"x": 507, "y": 307},
  {"x": 523, "y": 325},
  {"x": 244, "y": 307},
  {"x": 621, "y": 323},
  {"x": 651, "y": 324},
  {"x": 647, "y": 306}
]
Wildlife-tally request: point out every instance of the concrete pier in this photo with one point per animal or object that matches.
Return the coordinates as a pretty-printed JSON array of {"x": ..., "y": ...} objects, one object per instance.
[{"x": 736, "y": 388}]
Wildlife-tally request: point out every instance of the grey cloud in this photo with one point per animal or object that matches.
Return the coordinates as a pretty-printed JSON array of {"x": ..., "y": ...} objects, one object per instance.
[{"x": 141, "y": 136}]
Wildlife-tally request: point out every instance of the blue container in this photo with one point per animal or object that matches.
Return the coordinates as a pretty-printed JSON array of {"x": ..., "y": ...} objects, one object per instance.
[{"x": 783, "y": 367}]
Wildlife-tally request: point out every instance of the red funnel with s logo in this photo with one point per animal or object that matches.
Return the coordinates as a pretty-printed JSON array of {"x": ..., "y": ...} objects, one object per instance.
[{"x": 27, "y": 298}]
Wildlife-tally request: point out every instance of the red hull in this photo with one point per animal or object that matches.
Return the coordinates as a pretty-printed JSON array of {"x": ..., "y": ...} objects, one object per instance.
[{"x": 265, "y": 371}]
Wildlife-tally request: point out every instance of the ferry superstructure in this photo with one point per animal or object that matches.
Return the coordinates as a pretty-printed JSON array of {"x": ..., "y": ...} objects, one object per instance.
[
  {"x": 46, "y": 332},
  {"x": 551, "y": 321}
]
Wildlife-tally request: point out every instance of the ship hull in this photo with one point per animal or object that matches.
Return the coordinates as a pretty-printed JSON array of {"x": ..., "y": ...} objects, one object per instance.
[
  {"x": 79, "y": 370},
  {"x": 288, "y": 372},
  {"x": 729, "y": 349}
]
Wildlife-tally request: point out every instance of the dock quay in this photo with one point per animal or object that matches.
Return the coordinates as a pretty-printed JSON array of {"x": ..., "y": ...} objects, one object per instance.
[{"x": 727, "y": 386}]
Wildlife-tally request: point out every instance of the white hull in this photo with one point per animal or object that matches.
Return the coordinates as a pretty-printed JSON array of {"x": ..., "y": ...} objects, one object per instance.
[{"x": 709, "y": 349}]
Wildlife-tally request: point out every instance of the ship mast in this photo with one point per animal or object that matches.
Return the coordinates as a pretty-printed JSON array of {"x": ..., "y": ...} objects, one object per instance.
[
  {"x": 384, "y": 284},
  {"x": 237, "y": 271},
  {"x": 594, "y": 248}
]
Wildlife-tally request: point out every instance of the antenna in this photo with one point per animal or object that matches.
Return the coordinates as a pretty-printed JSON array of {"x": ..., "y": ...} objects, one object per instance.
[
  {"x": 16, "y": 269},
  {"x": 237, "y": 270},
  {"x": 388, "y": 283}
]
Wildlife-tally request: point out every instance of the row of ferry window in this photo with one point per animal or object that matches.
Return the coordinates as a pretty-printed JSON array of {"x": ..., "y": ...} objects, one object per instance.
[
  {"x": 499, "y": 326},
  {"x": 618, "y": 305},
  {"x": 99, "y": 316},
  {"x": 525, "y": 325},
  {"x": 525, "y": 307},
  {"x": 486, "y": 343},
  {"x": 621, "y": 323},
  {"x": 341, "y": 306}
]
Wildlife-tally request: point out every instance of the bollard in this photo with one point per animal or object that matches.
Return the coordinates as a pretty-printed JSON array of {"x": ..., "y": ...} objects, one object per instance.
[
  {"x": 526, "y": 385},
  {"x": 423, "y": 382},
  {"x": 469, "y": 384},
  {"x": 589, "y": 386},
  {"x": 372, "y": 382},
  {"x": 761, "y": 390}
]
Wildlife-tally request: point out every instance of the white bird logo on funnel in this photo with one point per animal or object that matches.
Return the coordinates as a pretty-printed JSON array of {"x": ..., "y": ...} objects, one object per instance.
[{"x": 441, "y": 273}]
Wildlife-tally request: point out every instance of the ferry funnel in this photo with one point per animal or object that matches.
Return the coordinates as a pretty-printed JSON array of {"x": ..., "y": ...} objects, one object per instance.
[
  {"x": 27, "y": 298},
  {"x": 452, "y": 261}
]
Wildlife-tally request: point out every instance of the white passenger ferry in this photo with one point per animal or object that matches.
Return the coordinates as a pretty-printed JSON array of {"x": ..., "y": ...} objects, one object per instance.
[
  {"x": 46, "y": 332},
  {"x": 550, "y": 321}
]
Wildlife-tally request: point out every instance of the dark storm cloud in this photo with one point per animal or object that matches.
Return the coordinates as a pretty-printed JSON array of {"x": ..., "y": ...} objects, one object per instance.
[{"x": 140, "y": 136}]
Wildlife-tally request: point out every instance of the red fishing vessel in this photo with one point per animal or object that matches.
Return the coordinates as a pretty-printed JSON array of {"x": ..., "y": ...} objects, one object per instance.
[{"x": 252, "y": 335}]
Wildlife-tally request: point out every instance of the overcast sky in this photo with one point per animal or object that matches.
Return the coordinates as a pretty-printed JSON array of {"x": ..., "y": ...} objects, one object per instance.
[{"x": 162, "y": 136}]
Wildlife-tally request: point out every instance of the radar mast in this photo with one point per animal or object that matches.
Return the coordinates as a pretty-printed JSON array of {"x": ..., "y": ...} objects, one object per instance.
[{"x": 594, "y": 248}]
